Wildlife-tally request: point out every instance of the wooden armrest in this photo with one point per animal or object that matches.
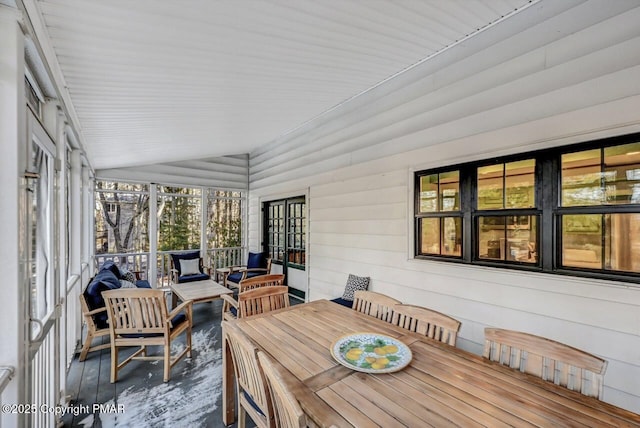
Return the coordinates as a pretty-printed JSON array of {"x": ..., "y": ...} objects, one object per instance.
[
  {"x": 96, "y": 311},
  {"x": 237, "y": 268},
  {"x": 188, "y": 305},
  {"x": 173, "y": 270},
  {"x": 228, "y": 300}
]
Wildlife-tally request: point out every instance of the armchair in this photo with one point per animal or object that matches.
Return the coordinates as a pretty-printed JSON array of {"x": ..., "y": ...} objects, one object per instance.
[
  {"x": 257, "y": 264},
  {"x": 230, "y": 305},
  {"x": 187, "y": 267},
  {"x": 139, "y": 318}
]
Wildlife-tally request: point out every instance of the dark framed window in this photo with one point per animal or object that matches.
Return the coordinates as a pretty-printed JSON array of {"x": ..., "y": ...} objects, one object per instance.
[
  {"x": 569, "y": 210},
  {"x": 438, "y": 216}
]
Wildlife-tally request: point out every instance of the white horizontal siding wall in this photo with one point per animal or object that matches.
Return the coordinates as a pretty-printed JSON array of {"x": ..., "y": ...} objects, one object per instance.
[
  {"x": 556, "y": 73},
  {"x": 227, "y": 172}
]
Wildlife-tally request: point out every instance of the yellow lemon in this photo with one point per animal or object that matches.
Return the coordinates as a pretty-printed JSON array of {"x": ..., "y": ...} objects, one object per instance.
[
  {"x": 391, "y": 349},
  {"x": 356, "y": 351},
  {"x": 380, "y": 351},
  {"x": 377, "y": 366},
  {"x": 370, "y": 360},
  {"x": 384, "y": 361},
  {"x": 353, "y": 354}
]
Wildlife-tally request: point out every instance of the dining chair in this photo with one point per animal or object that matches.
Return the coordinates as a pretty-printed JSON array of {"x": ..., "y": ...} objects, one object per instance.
[
  {"x": 139, "y": 318},
  {"x": 255, "y": 301},
  {"x": 252, "y": 394},
  {"x": 286, "y": 409},
  {"x": 552, "y": 361},
  {"x": 432, "y": 324},
  {"x": 375, "y": 304}
]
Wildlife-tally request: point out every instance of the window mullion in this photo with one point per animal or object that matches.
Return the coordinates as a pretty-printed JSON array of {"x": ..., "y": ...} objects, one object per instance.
[{"x": 548, "y": 188}]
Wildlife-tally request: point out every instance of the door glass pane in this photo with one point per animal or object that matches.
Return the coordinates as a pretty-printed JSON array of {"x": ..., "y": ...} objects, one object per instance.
[
  {"x": 581, "y": 178},
  {"x": 40, "y": 236},
  {"x": 622, "y": 174}
]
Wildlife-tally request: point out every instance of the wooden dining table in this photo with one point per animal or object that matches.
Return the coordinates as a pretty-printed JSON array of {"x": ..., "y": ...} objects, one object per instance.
[{"x": 441, "y": 386}]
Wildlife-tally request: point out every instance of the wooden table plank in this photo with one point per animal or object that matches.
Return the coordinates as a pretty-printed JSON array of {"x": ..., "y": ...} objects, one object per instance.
[
  {"x": 442, "y": 386},
  {"x": 562, "y": 401}
]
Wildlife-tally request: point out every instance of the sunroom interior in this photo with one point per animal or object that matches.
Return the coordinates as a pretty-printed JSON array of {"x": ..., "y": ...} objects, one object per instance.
[{"x": 481, "y": 158}]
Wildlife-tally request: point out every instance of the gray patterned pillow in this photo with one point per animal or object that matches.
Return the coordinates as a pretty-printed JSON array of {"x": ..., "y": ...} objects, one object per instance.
[
  {"x": 127, "y": 276},
  {"x": 355, "y": 283}
]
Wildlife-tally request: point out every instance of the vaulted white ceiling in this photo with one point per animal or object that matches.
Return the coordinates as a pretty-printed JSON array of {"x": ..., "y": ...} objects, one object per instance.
[{"x": 158, "y": 81}]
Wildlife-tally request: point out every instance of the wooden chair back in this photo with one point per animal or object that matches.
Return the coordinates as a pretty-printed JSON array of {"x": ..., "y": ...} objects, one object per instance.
[
  {"x": 250, "y": 379},
  {"x": 432, "y": 324},
  {"x": 375, "y": 304},
  {"x": 139, "y": 318},
  {"x": 260, "y": 281},
  {"x": 262, "y": 299},
  {"x": 93, "y": 331},
  {"x": 545, "y": 358},
  {"x": 286, "y": 409}
]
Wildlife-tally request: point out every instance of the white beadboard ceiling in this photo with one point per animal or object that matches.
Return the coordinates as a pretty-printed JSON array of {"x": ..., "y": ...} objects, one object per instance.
[{"x": 155, "y": 81}]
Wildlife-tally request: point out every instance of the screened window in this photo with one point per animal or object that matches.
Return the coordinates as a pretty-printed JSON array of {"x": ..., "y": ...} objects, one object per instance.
[
  {"x": 179, "y": 214},
  {"x": 572, "y": 209},
  {"x": 121, "y": 218}
]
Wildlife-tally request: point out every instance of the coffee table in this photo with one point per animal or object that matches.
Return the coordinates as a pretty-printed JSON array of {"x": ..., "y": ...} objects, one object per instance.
[{"x": 198, "y": 291}]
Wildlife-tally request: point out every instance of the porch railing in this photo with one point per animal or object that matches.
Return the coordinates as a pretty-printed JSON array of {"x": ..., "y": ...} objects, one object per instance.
[{"x": 139, "y": 262}]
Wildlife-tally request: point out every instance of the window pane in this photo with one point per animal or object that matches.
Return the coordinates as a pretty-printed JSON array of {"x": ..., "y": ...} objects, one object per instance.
[
  {"x": 622, "y": 174},
  {"x": 622, "y": 240},
  {"x": 490, "y": 191},
  {"x": 452, "y": 236},
  {"x": 429, "y": 193},
  {"x": 441, "y": 236},
  {"x": 581, "y": 178},
  {"x": 582, "y": 241},
  {"x": 512, "y": 238},
  {"x": 430, "y": 228},
  {"x": 450, "y": 191},
  {"x": 519, "y": 183}
]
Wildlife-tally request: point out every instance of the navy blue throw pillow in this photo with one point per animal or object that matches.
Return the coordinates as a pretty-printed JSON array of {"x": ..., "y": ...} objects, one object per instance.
[{"x": 256, "y": 260}]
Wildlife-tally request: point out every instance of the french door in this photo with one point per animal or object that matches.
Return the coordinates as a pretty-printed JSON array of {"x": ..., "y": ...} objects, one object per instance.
[{"x": 284, "y": 240}]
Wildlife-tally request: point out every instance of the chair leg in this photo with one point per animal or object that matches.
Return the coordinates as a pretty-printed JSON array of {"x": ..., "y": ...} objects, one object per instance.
[
  {"x": 167, "y": 361},
  {"x": 114, "y": 363},
  {"x": 242, "y": 416},
  {"x": 85, "y": 347},
  {"x": 189, "y": 341}
]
